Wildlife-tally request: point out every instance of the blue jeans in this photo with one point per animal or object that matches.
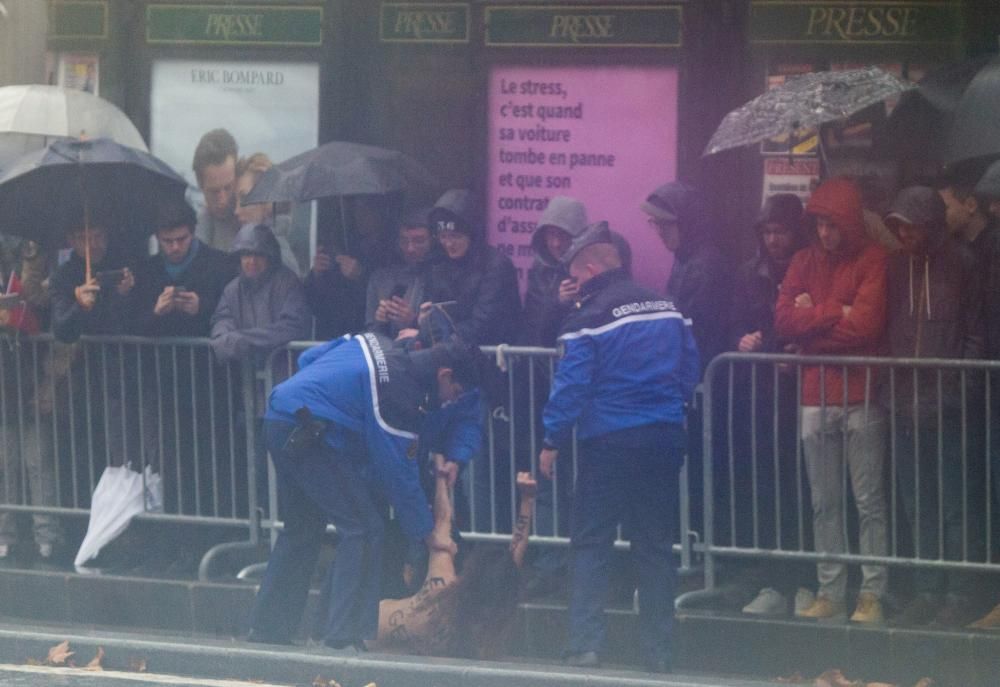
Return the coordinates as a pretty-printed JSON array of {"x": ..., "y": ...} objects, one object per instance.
[
  {"x": 627, "y": 477},
  {"x": 313, "y": 490}
]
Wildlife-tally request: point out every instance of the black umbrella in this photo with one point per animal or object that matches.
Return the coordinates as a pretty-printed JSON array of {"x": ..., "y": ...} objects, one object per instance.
[
  {"x": 975, "y": 127},
  {"x": 989, "y": 184},
  {"x": 338, "y": 168},
  {"x": 48, "y": 192},
  {"x": 804, "y": 102}
]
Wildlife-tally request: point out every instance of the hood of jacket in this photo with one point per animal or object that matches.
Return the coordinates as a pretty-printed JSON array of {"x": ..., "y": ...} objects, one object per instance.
[
  {"x": 460, "y": 209},
  {"x": 687, "y": 206},
  {"x": 563, "y": 212},
  {"x": 258, "y": 240},
  {"x": 840, "y": 200},
  {"x": 922, "y": 205}
]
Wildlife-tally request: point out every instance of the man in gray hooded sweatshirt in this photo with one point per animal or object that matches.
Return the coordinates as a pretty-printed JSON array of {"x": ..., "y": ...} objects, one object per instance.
[
  {"x": 551, "y": 291},
  {"x": 264, "y": 307},
  {"x": 934, "y": 306}
]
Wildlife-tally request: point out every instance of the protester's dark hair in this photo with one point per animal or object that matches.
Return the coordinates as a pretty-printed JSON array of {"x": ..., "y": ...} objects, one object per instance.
[
  {"x": 171, "y": 213},
  {"x": 213, "y": 149},
  {"x": 475, "y": 614}
]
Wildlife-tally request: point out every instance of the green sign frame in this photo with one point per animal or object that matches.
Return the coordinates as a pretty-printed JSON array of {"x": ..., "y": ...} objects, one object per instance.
[
  {"x": 855, "y": 22},
  {"x": 78, "y": 19},
  {"x": 253, "y": 25},
  {"x": 424, "y": 22},
  {"x": 585, "y": 26}
]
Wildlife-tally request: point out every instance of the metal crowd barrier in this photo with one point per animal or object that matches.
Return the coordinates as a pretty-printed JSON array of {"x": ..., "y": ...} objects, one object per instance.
[
  {"x": 515, "y": 385},
  {"x": 68, "y": 411},
  {"x": 937, "y": 420}
]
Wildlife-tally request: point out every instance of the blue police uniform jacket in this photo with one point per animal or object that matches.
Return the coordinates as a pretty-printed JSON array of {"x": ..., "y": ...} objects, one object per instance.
[
  {"x": 629, "y": 359},
  {"x": 363, "y": 386}
]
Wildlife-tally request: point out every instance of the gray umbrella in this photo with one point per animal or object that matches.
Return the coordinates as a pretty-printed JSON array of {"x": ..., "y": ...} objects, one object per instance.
[
  {"x": 338, "y": 168},
  {"x": 804, "y": 102},
  {"x": 989, "y": 185},
  {"x": 975, "y": 129}
]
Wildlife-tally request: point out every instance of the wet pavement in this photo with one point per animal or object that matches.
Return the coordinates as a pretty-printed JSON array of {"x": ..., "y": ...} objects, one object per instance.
[{"x": 44, "y": 676}]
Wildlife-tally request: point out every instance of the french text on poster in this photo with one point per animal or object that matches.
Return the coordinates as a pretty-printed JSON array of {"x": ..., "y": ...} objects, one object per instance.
[{"x": 601, "y": 135}]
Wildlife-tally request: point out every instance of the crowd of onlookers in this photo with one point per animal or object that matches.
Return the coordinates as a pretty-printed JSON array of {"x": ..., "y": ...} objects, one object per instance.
[{"x": 915, "y": 280}]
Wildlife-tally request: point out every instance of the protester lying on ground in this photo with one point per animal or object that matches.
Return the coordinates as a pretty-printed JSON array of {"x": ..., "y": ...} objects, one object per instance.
[
  {"x": 340, "y": 432},
  {"x": 465, "y": 615}
]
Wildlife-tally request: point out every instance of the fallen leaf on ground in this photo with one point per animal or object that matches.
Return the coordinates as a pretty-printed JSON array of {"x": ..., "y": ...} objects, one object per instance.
[
  {"x": 137, "y": 665},
  {"x": 320, "y": 681},
  {"x": 95, "y": 663},
  {"x": 59, "y": 654},
  {"x": 835, "y": 678}
]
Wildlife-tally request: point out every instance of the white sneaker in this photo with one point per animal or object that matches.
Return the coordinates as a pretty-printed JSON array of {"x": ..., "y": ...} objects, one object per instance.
[
  {"x": 768, "y": 602},
  {"x": 803, "y": 600}
]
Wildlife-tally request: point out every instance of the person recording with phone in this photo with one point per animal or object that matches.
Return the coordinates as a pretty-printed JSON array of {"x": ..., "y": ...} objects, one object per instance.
[
  {"x": 179, "y": 288},
  {"x": 396, "y": 291}
]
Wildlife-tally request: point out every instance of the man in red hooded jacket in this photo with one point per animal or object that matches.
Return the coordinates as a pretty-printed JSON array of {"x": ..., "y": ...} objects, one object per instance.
[{"x": 833, "y": 302}]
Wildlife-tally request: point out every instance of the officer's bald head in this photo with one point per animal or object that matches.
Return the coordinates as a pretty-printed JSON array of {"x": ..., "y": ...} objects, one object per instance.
[{"x": 593, "y": 260}]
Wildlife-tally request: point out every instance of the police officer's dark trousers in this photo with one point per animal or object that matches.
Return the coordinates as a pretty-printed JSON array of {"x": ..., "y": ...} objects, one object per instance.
[
  {"x": 313, "y": 490},
  {"x": 630, "y": 477}
]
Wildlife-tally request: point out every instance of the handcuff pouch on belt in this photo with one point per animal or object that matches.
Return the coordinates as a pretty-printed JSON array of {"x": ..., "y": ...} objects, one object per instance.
[{"x": 307, "y": 435}]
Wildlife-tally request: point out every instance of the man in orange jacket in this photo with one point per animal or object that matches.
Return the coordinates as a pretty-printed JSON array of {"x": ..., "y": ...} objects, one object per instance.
[{"x": 833, "y": 302}]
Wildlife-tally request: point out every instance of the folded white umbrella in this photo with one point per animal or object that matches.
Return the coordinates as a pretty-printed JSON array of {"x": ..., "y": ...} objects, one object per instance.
[
  {"x": 32, "y": 116},
  {"x": 120, "y": 495}
]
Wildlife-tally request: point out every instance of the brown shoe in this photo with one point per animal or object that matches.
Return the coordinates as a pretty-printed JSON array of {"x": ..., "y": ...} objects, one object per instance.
[
  {"x": 990, "y": 621},
  {"x": 868, "y": 610},
  {"x": 823, "y": 608}
]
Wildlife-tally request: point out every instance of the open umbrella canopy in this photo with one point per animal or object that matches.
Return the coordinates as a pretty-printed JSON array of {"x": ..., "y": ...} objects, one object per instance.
[
  {"x": 32, "y": 116},
  {"x": 338, "y": 168},
  {"x": 975, "y": 127},
  {"x": 45, "y": 193},
  {"x": 803, "y": 102}
]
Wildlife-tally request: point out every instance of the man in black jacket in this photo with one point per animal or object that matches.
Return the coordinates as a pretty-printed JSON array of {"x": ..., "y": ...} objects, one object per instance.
[
  {"x": 179, "y": 287},
  {"x": 934, "y": 306},
  {"x": 780, "y": 231},
  {"x": 481, "y": 281},
  {"x": 177, "y": 292},
  {"x": 479, "y": 285},
  {"x": 92, "y": 304}
]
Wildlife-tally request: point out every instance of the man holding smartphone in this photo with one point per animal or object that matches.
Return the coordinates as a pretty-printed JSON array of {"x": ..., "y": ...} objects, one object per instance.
[
  {"x": 179, "y": 287},
  {"x": 395, "y": 291}
]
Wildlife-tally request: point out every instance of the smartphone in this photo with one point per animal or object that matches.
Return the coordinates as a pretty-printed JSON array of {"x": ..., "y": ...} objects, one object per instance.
[
  {"x": 110, "y": 277},
  {"x": 179, "y": 291},
  {"x": 398, "y": 291}
]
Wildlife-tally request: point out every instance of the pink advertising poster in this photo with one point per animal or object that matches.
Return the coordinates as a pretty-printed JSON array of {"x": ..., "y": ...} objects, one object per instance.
[{"x": 604, "y": 135}]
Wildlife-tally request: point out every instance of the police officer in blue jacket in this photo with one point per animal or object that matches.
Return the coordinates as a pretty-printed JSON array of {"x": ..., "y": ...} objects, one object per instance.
[
  {"x": 342, "y": 434},
  {"x": 628, "y": 368}
]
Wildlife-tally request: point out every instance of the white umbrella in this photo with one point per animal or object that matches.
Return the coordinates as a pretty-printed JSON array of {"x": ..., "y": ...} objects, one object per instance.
[
  {"x": 120, "y": 495},
  {"x": 32, "y": 116}
]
